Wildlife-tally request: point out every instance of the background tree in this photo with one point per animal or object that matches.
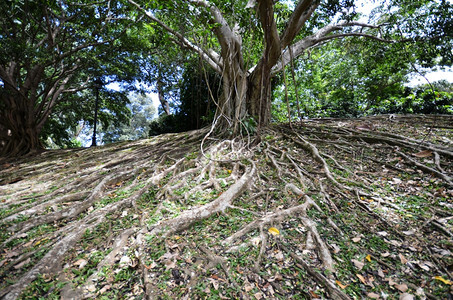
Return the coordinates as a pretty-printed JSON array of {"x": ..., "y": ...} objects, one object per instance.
[
  {"x": 49, "y": 50},
  {"x": 142, "y": 112},
  {"x": 197, "y": 92},
  {"x": 346, "y": 78}
]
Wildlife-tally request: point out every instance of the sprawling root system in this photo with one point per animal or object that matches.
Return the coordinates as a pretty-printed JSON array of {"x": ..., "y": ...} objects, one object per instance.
[{"x": 329, "y": 208}]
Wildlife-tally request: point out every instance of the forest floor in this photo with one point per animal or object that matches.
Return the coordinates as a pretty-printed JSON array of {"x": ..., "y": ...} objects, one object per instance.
[{"x": 328, "y": 209}]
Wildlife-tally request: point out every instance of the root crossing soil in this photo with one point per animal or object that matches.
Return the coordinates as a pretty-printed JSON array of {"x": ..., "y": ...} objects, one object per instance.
[{"x": 329, "y": 208}]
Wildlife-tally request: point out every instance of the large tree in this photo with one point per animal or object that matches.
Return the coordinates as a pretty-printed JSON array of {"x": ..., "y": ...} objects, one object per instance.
[
  {"x": 49, "y": 51},
  {"x": 248, "y": 42}
]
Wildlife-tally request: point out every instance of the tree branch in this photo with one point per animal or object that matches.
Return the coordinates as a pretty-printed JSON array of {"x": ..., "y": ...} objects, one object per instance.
[
  {"x": 214, "y": 62},
  {"x": 301, "y": 14},
  {"x": 323, "y": 35},
  {"x": 271, "y": 38}
]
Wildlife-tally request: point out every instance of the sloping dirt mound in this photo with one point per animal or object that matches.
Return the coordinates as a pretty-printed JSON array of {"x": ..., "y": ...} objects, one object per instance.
[{"x": 329, "y": 208}]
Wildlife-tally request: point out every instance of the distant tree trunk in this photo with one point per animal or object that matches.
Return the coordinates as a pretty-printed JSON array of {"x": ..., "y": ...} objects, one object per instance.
[{"x": 161, "y": 93}]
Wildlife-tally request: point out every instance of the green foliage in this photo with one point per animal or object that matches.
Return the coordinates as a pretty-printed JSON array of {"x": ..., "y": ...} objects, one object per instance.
[
  {"x": 195, "y": 108},
  {"x": 356, "y": 77},
  {"x": 50, "y": 54},
  {"x": 420, "y": 100},
  {"x": 142, "y": 111}
]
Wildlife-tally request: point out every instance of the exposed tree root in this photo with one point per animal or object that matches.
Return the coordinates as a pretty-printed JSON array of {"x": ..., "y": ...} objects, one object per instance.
[{"x": 354, "y": 210}]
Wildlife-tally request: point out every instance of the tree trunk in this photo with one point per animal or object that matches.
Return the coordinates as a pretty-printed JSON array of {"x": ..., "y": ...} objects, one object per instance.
[
  {"x": 259, "y": 95},
  {"x": 18, "y": 125},
  {"x": 160, "y": 94},
  {"x": 22, "y": 135},
  {"x": 245, "y": 97}
]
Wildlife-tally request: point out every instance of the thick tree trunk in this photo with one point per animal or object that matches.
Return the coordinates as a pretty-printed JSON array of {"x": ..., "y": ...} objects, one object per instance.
[
  {"x": 244, "y": 96},
  {"x": 259, "y": 95},
  {"x": 18, "y": 126},
  {"x": 22, "y": 135}
]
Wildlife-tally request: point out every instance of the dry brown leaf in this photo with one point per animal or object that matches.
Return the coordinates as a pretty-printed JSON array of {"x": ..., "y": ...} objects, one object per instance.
[
  {"x": 170, "y": 264},
  {"x": 11, "y": 254},
  {"x": 356, "y": 239},
  {"x": 358, "y": 264},
  {"x": 402, "y": 287},
  {"x": 91, "y": 288},
  {"x": 279, "y": 256},
  {"x": 342, "y": 286},
  {"x": 373, "y": 295},
  {"x": 386, "y": 254},
  {"x": 104, "y": 289},
  {"x": 381, "y": 273},
  {"x": 336, "y": 249},
  {"x": 402, "y": 259},
  {"x": 424, "y": 153},
  {"x": 406, "y": 296},
  {"x": 258, "y": 295},
  {"x": 362, "y": 279},
  {"x": 390, "y": 281}
]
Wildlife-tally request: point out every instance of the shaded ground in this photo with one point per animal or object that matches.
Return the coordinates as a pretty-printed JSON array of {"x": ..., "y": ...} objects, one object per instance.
[{"x": 331, "y": 208}]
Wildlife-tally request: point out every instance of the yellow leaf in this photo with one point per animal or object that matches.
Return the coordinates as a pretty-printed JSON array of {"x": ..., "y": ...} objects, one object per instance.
[
  {"x": 368, "y": 257},
  {"x": 274, "y": 231},
  {"x": 440, "y": 278},
  {"x": 342, "y": 286}
]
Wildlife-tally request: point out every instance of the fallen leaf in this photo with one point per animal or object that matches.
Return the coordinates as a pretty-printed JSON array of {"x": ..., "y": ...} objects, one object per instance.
[
  {"x": 314, "y": 295},
  {"x": 356, "y": 239},
  {"x": 424, "y": 153},
  {"x": 20, "y": 265},
  {"x": 342, "y": 286},
  {"x": 440, "y": 278},
  {"x": 125, "y": 261},
  {"x": 396, "y": 181},
  {"x": 380, "y": 273},
  {"x": 170, "y": 264},
  {"x": 258, "y": 296},
  {"x": 151, "y": 266},
  {"x": 406, "y": 296},
  {"x": 279, "y": 256},
  {"x": 274, "y": 231},
  {"x": 256, "y": 241},
  {"x": 368, "y": 258},
  {"x": 402, "y": 287},
  {"x": 373, "y": 295},
  {"x": 409, "y": 232},
  {"x": 215, "y": 283},
  {"x": 362, "y": 279},
  {"x": 91, "y": 288},
  {"x": 81, "y": 263},
  {"x": 358, "y": 264},
  {"x": 402, "y": 259},
  {"x": 11, "y": 254},
  {"x": 390, "y": 281},
  {"x": 386, "y": 254},
  {"x": 104, "y": 289},
  {"x": 336, "y": 249}
]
